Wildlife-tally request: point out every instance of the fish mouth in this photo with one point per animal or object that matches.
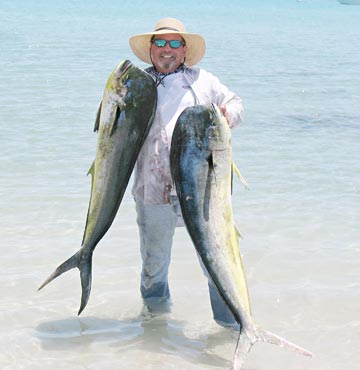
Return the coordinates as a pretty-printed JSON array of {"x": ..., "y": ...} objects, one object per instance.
[
  {"x": 125, "y": 66},
  {"x": 121, "y": 70}
]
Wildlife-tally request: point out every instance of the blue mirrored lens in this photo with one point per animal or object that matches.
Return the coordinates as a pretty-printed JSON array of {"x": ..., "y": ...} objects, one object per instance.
[
  {"x": 175, "y": 44},
  {"x": 159, "y": 42}
]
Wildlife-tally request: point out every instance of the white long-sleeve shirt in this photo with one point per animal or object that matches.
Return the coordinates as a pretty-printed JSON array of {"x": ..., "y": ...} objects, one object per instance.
[{"x": 190, "y": 86}]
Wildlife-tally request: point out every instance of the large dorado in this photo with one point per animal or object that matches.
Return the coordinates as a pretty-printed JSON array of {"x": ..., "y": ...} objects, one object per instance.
[
  {"x": 201, "y": 166},
  {"x": 123, "y": 121}
]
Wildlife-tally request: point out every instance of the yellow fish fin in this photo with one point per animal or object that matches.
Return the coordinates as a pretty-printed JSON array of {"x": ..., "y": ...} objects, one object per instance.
[
  {"x": 239, "y": 175},
  {"x": 238, "y": 233}
]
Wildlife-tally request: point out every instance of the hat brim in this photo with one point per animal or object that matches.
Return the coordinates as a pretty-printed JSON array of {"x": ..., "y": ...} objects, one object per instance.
[{"x": 140, "y": 45}]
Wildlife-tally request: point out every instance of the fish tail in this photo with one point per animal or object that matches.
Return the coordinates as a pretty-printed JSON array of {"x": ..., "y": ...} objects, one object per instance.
[
  {"x": 85, "y": 275},
  {"x": 83, "y": 261},
  {"x": 242, "y": 350},
  {"x": 246, "y": 341},
  {"x": 269, "y": 337}
]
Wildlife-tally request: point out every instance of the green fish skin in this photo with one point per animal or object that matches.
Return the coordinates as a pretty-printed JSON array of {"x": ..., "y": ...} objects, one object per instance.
[
  {"x": 123, "y": 121},
  {"x": 201, "y": 167}
]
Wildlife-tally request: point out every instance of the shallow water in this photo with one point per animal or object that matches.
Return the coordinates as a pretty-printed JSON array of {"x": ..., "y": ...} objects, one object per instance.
[{"x": 296, "y": 66}]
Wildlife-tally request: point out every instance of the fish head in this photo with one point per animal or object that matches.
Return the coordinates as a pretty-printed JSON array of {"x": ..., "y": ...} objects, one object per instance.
[
  {"x": 129, "y": 86},
  {"x": 203, "y": 127},
  {"x": 117, "y": 81}
]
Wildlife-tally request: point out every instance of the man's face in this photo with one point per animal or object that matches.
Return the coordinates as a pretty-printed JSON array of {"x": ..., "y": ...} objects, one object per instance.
[{"x": 167, "y": 59}]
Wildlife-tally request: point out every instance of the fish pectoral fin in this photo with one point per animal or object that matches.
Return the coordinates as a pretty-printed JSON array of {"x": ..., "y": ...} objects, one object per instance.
[
  {"x": 116, "y": 116},
  {"x": 212, "y": 166},
  {"x": 208, "y": 186},
  {"x": 97, "y": 120},
  {"x": 210, "y": 160},
  {"x": 239, "y": 175}
]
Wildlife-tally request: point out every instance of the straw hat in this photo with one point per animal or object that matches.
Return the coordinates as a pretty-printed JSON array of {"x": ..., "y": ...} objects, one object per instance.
[{"x": 140, "y": 44}]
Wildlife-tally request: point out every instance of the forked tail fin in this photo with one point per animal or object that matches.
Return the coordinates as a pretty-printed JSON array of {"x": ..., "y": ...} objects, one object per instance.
[
  {"x": 83, "y": 261},
  {"x": 269, "y": 337},
  {"x": 246, "y": 341}
]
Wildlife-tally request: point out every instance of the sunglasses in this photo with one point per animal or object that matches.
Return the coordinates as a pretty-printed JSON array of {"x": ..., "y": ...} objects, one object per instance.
[{"x": 174, "y": 44}]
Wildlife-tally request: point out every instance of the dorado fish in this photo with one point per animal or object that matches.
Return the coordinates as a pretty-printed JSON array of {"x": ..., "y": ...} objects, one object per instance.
[
  {"x": 124, "y": 118},
  {"x": 201, "y": 166}
]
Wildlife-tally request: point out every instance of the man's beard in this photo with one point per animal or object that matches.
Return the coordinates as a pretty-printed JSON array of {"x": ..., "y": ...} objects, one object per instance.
[{"x": 168, "y": 65}]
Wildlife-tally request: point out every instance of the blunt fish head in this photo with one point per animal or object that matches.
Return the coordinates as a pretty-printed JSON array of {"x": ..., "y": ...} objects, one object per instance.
[
  {"x": 205, "y": 125},
  {"x": 130, "y": 87},
  {"x": 116, "y": 83}
]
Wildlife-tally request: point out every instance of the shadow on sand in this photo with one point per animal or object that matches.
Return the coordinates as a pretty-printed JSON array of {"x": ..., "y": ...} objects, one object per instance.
[{"x": 159, "y": 334}]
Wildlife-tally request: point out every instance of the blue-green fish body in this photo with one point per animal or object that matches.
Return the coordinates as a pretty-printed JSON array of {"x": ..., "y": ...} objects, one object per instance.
[{"x": 201, "y": 165}]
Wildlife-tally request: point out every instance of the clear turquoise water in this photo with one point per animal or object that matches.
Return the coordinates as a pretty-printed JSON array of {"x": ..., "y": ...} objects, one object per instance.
[{"x": 296, "y": 66}]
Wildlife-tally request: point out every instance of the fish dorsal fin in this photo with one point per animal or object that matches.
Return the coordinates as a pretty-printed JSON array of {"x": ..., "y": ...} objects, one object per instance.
[
  {"x": 239, "y": 175},
  {"x": 97, "y": 120},
  {"x": 113, "y": 123}
]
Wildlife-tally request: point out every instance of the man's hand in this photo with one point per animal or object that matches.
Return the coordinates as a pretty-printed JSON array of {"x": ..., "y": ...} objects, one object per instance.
[{"x": 223, "y": 111}]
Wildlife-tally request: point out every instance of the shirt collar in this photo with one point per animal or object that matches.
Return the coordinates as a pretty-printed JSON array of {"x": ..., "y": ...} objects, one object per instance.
[{"x": 159, "y": 76}]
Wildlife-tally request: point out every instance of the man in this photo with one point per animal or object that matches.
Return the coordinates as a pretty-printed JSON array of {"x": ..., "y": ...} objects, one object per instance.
[{"x": 172, "y": 52}]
